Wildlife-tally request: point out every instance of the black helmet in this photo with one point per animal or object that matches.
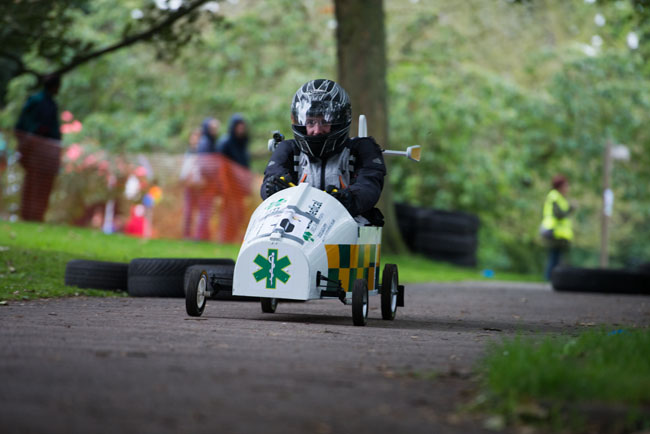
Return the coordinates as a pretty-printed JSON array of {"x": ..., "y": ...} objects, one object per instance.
[{"x": 327, "y": 100}]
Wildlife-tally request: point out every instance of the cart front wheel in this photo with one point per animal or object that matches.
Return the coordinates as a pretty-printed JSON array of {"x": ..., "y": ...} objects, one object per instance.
[
  {"x": 269, "y": 305},
  {"x": 360, "y": 302},
  {"x": 197, "y": 286},
  {"x": 389, "y": 292}
]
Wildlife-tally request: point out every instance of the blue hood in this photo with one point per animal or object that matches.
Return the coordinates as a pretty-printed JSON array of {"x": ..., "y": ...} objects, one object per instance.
[
  {"x": 233, "y": 147},
  {"x": 207, "y": 142}
]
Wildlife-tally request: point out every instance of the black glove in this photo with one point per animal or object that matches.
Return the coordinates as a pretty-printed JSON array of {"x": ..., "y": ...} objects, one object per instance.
[
  {"x": 276, "y": 183},
  {"x": 344, "y": 196}
]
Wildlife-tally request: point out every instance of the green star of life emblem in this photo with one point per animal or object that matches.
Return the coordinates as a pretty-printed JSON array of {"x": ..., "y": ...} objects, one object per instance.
[
  {"x": 275, "y": 203},
  {"x": 271, "y": 268}
]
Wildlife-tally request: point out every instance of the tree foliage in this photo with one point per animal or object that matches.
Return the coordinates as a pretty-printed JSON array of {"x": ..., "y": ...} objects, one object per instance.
[
  {"x": 498, "y": 123},
  {"x": 500, "y": 94},
  {"x": 39, "y": 37}
]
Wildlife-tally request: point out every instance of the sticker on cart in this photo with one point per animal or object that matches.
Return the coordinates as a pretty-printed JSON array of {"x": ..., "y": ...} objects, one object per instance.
[
  {"x": 272, "y": 269},
  {"x": 276, "y": 204},
  {"x": 290, "y": 222}
]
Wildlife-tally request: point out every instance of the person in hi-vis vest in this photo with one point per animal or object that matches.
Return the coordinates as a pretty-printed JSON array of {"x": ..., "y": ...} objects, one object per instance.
[{"x": 556, "y": 228}]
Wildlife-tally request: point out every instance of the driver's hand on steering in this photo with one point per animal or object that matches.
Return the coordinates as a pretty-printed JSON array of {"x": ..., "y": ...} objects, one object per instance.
[
  {"x": 343, "y": 195},
  {"x": 276, "y": 183}
]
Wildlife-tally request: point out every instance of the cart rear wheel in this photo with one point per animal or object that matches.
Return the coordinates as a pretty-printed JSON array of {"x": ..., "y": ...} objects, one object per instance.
[
  {"x": 389, "y": 291},
  {"x": 195, "y": 296},
  {"x": 269, "y": 304},
  {"x": 360, "y": 302}
]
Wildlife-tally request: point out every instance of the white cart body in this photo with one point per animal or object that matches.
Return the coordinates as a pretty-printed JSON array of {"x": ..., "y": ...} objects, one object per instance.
[{"x": 299, "y": 234}]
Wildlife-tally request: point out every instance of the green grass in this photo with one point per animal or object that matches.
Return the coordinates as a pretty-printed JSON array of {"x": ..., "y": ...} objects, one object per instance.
[
  {"x": 591, "y": 370},
  {"x": 33, "y": 258},
  {"x": 93, "y": 244},
  {"x": 32, "y": 273},
  {"x": 414, "y": 269}
]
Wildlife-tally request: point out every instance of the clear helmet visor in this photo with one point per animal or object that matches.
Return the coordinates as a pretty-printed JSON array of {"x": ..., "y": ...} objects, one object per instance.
[
  {"x": 320, "y": 116},
  {"x": 311, "y": 112}
]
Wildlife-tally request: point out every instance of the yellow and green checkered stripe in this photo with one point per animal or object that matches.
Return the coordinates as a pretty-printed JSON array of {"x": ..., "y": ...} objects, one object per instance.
[{"x": 349, "y": 262}]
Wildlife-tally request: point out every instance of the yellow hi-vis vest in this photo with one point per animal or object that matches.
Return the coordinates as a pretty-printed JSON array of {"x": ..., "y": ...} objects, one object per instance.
[{"x": 561, "y": 227}]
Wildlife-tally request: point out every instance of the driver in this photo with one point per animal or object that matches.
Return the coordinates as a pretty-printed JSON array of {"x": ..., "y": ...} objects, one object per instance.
[{"x": 322, "y": 153}]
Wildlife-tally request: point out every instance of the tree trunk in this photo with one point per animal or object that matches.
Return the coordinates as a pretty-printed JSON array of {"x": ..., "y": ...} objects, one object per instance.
[{"x": 361, "y": 52}]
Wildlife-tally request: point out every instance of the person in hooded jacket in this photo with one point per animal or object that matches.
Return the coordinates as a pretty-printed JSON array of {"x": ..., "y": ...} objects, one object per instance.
[
  {"x": 235, "y": 179},
  {"x": 323, "y": 155},
  {"x": 234, "y": 144},
  {"x": 39, "y": 143},
  {"x": 208, "y": 164},
  {"x": 209, "y": 133}
]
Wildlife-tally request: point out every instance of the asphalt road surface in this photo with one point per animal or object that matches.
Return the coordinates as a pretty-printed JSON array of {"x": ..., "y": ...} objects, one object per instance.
[{"x": 119, "y": 365}]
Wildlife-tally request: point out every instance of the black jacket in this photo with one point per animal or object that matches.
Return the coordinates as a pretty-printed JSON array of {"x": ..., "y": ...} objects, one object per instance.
[
  {"x": 40, "y": 115},
  {"x": 366, "y": 181}
]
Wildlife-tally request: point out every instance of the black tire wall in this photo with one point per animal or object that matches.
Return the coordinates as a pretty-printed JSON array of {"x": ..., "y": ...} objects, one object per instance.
[
  {"x": 600, "y": 280},
  {"x": 96, "y": 274},
  {"x": 440, "y": 235},
  {"x": 163, "y": 277}
]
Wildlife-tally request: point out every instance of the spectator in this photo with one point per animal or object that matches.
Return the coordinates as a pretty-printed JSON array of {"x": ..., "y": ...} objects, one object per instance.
[
  {"x": 39, "y": 143},
  {"x": 556, "y": 229},
  {"x": 235, "y": 177},
  {"x": 234, "y": 145},
  {"x": 209, "y": 133},
  {"x": 208, "y": 163},
  {"x": 191, "y": 178}
]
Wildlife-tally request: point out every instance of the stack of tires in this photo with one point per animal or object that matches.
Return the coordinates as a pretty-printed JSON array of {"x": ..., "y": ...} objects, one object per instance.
[
  {"x": 440, "y": 235},
  {"x": 144, "y": 277},
  {"x": 603, "y": 280}
]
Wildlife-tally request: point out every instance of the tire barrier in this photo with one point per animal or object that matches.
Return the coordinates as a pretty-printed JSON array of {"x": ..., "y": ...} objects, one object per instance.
[
  {"x": 150, "y": 277},
  {"x": 96, "y": 274},
  {"x": 601, "y": 280},
  {"x": 163, "y": 277},
  {"x": 440, "y": 235}
]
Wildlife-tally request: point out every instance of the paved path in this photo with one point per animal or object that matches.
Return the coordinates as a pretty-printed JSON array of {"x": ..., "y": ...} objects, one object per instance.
[{"x": 85, "y": 365}]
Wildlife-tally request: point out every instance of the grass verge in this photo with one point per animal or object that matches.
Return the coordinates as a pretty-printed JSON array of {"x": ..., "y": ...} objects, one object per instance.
[
  {"x": 33, "y": 258},
  {"x": 32, "y": 273},
  {"x": 600, "y": 377}
]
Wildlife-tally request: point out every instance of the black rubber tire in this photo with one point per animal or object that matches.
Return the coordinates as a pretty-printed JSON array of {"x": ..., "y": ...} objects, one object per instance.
[
  {"x": 600, "y": 280},
  {"x": 360, "y": 302},
  {"x": 406, "y": 211},
  {"x": 407, "y": 217},
  {"x": 163, "y": 277},
  {"x": 454, "y": 222},
  {"x": 433, "y": 243},
  {"x": 96, "y": 274},
  {"x": 389, "y": 290},
  {"x": 269, "y": 304},
  {"x": 195, "y": 298}
]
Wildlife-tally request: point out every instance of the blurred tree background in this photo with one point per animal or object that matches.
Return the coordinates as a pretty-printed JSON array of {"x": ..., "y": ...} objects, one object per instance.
[{"x": 500, "y": 94}]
